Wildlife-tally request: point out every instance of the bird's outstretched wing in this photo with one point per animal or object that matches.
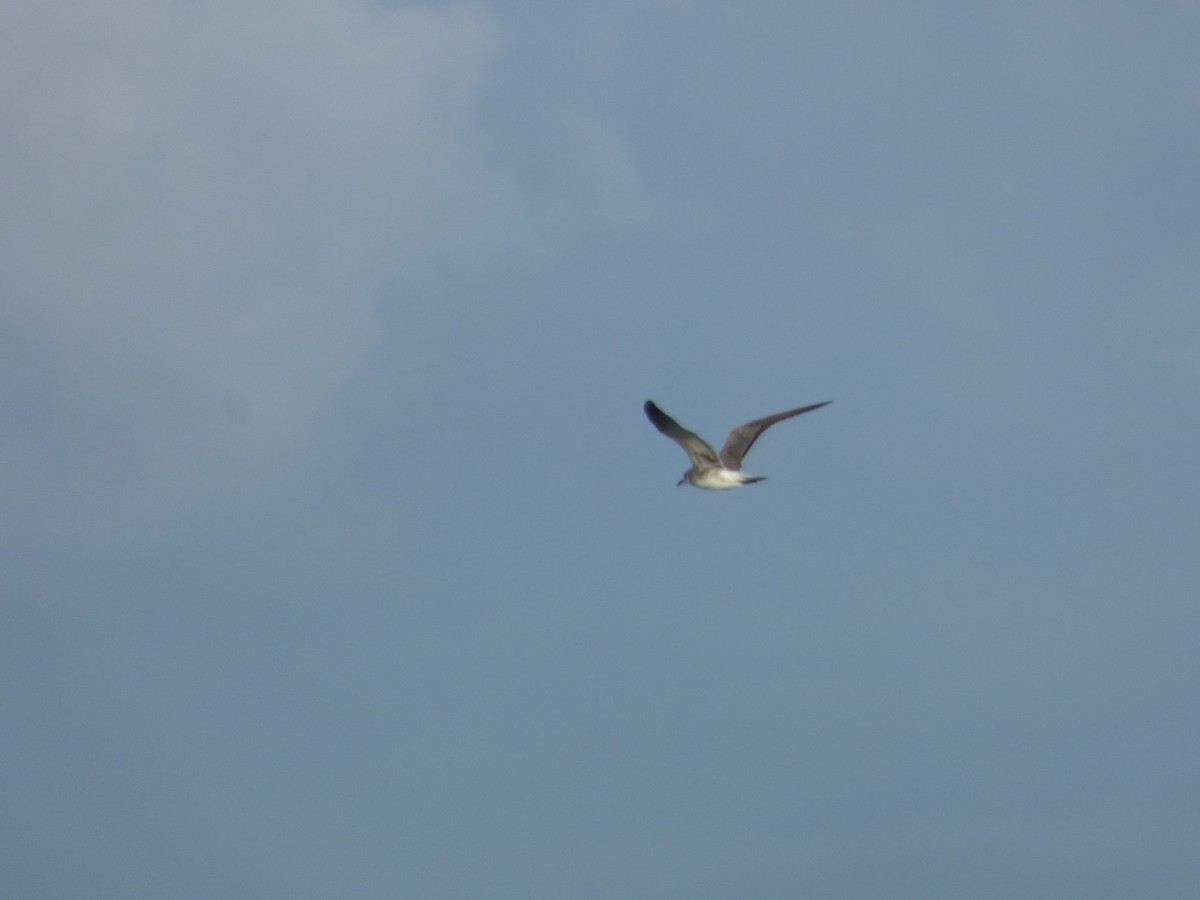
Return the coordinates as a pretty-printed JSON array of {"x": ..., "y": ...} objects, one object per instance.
[
  {"x": 697, "y": 448},
  {"x": 742, "y": 438}
]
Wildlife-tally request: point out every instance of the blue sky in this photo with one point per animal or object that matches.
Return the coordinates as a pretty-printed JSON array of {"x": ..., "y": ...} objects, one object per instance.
[{"x": 338, "y": 558}]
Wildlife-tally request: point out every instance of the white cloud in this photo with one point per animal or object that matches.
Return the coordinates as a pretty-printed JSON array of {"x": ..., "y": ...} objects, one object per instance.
[{"x": 198, "y": 205}]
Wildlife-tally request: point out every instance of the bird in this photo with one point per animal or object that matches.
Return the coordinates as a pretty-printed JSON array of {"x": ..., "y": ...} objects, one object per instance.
[{"x": 719, "y": 471}]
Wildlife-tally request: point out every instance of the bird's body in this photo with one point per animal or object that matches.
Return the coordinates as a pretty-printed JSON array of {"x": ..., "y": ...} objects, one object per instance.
[
  {"x": 718, "y": 478},
  {"x": 719, "y": 471}
]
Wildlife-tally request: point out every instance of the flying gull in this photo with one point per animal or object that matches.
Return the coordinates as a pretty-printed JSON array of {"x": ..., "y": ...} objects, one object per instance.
[{"x": 717, "y": 471}]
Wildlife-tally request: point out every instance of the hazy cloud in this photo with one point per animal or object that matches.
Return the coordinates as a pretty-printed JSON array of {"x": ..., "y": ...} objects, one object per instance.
[{"x": 198, "y": 210}]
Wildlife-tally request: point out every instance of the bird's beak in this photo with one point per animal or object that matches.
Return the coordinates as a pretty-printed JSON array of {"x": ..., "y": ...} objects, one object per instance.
[{"x": 680, "y": 481}]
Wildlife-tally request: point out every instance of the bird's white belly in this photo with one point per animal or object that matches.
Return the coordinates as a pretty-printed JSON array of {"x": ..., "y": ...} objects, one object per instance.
[{"x": 720, "y": 479}]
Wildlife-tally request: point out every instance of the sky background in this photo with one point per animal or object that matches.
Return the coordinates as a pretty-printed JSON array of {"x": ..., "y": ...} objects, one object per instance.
[{"x": 337, "y": 557}]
